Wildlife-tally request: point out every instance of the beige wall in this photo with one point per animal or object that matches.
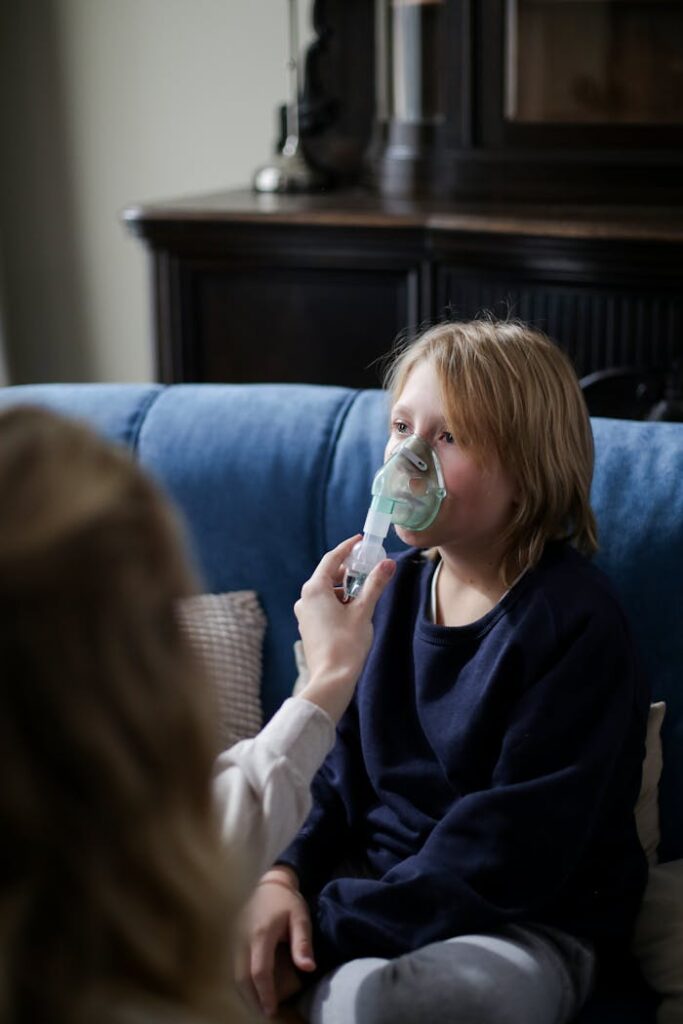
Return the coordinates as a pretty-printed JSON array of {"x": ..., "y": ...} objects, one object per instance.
[{"x": 104, "y": 103}]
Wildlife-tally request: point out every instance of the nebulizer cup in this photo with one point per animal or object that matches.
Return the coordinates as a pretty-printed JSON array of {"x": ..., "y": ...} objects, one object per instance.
[{"x": 407, "y": 491}]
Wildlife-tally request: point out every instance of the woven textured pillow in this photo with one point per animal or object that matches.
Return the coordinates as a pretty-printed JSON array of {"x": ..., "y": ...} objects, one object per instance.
[
  {"x": 226, "y": 631},
  {"x": 658, "y": 939},
  {"x": 647, "y": 807}
]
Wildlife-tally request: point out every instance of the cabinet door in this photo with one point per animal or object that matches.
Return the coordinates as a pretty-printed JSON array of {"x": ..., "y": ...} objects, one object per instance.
[
  {"x": 250, "y": 317},
  {"x": 590, "y": 76},
  {"x": 311, "y": 326},
  {"x": 598, "y": 327}
]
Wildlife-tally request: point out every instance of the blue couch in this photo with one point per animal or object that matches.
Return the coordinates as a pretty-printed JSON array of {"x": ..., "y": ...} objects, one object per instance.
[{"x": 268, "y": 477}]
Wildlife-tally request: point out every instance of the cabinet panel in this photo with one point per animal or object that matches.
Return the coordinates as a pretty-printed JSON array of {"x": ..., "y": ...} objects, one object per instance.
[
  {"x": 323, "y": 326},
  {"x": 597, "y": 327}
]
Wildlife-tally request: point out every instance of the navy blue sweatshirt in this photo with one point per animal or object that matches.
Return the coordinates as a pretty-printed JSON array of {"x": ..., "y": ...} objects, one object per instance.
[{"x": 484, "y": 774}]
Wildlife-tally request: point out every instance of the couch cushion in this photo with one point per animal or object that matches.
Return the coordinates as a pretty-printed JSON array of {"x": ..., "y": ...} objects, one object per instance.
[
  {"x": 638, "y": 498},
  {"x": 658, "y": 939},
  {"x": 115, "y": 410},
  {"x": 248, "y": 466}
]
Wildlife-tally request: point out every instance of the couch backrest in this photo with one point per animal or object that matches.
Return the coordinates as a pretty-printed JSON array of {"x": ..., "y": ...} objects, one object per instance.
[{"x": 268, "y": 477}]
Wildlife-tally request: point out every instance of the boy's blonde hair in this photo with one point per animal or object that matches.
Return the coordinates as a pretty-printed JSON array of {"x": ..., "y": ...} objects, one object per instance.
[
  {"x": 115, "y": 887},
  {"x": 509, "y": 390}
]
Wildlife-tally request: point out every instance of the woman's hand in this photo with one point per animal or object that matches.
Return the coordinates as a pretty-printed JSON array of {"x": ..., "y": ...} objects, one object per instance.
[
  {"x": 275, "y": 941},
  {"x": 336, "y": 635}
]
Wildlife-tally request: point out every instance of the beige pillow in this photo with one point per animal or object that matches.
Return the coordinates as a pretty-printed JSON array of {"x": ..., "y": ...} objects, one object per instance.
[
  {"x": 647, "y": 806},
  {"x": 226, "y": 631},
  {"x": 658, "y": 939}
]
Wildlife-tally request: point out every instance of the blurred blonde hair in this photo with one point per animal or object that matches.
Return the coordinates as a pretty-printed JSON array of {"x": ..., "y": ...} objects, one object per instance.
[
  {"x": 510, "y": 391},
  {"x": 114, "y": 887}
]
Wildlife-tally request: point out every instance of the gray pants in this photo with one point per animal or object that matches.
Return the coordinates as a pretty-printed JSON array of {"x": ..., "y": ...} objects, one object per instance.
[{"x": 519, "y": 975}]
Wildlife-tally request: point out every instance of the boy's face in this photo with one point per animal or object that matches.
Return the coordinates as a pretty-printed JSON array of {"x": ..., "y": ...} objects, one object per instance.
[{"x": 480, "y": 498}]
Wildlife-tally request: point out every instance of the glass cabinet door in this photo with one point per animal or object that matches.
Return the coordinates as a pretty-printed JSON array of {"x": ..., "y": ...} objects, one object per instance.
[{"x": 593, "y": 62}]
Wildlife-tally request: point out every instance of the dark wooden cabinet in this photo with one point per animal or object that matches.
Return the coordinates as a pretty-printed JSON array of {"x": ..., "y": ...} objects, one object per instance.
[
  {"x": 461, "y": 136},
  {"x": 316, "y": 288},
  {"x": 521, "y": 100}
]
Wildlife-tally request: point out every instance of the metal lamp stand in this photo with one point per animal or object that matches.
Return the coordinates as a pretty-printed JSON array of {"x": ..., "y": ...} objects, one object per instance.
[{"x": 288, "y": 171}]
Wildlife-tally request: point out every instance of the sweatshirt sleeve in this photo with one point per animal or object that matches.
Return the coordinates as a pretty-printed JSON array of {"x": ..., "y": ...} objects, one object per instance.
[
  {"x": 262, "y": 785},
  {"x": 340, "y": 790},
  {"x": 505, "y": 853}
]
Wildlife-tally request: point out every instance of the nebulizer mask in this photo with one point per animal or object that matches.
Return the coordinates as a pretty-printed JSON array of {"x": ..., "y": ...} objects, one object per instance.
[{"x": 407, "y": 491}]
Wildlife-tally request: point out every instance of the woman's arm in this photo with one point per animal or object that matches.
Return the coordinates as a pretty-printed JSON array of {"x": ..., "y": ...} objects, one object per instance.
[{"x": 262, "y": 785}]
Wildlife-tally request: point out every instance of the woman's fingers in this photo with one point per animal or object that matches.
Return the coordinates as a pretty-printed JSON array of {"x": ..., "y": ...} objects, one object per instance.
[
  {"x": 331, "y": 565},
  {"x": 375, "y": 584}
]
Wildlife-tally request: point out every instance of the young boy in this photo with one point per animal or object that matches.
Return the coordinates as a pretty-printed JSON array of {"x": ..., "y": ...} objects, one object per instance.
[{"x": 472, "y": 847}]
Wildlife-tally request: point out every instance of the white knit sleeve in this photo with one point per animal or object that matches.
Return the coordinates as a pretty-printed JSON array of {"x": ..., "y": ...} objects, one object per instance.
[{"x": 262, "y": 785}]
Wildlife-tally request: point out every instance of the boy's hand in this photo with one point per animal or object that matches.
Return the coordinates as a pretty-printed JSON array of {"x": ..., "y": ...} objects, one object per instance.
[
  {"x": 337, "y": 636},
  {"x": 275, "y": 941}
]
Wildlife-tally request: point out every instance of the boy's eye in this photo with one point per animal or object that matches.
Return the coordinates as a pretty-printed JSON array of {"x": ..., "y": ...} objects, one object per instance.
[
  {"x": 447, "y": 437},
  {"x": 400, "y": 427}
]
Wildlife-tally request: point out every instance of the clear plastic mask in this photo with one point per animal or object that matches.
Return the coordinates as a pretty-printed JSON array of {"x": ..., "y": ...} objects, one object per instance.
[
  {"x": 410, "y": 485},
  {"x": 407, "y": 491}
]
